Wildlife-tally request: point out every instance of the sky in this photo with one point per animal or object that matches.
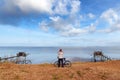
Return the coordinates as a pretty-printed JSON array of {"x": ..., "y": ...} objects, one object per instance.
[{"x": 59, "y": 22}]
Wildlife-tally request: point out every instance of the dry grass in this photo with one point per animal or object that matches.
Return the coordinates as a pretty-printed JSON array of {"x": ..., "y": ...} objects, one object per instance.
[{"x": 79, "y": 71}]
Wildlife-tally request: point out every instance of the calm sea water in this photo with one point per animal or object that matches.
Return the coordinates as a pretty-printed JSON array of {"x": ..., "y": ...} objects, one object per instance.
[{"x": 49, "y": 54}]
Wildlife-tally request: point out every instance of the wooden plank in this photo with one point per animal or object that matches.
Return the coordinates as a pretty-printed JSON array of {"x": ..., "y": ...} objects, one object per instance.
[{"x": 8, "y": 58}]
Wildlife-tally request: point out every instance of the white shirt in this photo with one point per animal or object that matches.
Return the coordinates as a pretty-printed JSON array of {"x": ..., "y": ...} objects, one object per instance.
[{"x": 60, "y": 54}]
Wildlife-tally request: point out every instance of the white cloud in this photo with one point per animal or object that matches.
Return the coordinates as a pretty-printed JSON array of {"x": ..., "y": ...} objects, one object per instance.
[
  {"x": 19, "y": 9},
  {"x": 38, "y": 5},
  {"x": 56, "y": 18},
  {"x": 69, "y": 26},
  {"x": 43, "y": 26},
  {"x": 75, "y": 4},
  {"x": 66, "y": 27},
  {"x": 72, "y": 31},
  {"x": 111, "y": 18},
  {"x": 90, "y": 15},
  {"x": 61, "y": 7},
  {"x": 29, "y": 5},
  {"x": 91, "y": 28},
  {"x": 65, "y": 7}
]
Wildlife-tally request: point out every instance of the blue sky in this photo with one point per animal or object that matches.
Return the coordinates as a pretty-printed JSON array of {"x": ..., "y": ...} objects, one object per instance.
[{"x": 59, "y": 22}]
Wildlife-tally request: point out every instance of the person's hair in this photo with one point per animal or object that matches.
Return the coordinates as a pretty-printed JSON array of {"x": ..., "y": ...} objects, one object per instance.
[{"x": 60, "y": 50}]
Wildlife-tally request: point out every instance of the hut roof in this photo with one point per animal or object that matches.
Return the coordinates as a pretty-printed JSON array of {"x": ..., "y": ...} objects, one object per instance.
[{"x": 21, "y": 54}]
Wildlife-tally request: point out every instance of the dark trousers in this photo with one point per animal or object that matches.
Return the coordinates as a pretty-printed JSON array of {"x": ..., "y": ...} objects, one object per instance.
[{"x": 60, "y": 62}]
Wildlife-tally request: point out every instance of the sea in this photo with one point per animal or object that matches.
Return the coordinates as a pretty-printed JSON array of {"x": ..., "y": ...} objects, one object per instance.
[{"x": 40, "y": 55}]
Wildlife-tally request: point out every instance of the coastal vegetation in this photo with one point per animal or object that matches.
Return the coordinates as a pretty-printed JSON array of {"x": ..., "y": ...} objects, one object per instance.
[{"x": 108, "y": 70}]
